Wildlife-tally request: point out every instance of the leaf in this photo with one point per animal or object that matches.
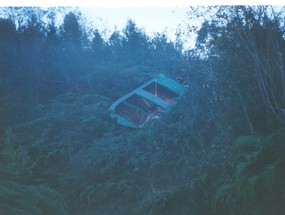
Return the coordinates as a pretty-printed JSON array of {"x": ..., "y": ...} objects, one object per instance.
[{"x": 219, "y": 195}]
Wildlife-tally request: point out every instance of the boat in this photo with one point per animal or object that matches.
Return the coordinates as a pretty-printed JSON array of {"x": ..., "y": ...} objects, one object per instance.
[{"x": 146, "y": 102}]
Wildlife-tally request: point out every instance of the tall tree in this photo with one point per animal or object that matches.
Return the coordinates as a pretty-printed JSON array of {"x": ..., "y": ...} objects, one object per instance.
[
  {"x": 231, "y": 69},
  {"x": 264, "y": 40},
  {"x": 72, "y": 50},
  {"x": 135, "y": 43},
  {"x": 8, "y": 48}
]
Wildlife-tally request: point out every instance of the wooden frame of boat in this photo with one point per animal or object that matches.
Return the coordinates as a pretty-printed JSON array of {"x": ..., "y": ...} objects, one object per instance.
[{"x": 146, "y": 102}]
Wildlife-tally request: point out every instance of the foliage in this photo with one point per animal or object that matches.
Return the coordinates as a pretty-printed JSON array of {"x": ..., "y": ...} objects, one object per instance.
[
  {"x": 219, "y": 150},
  {"x": 30, "y": 199},
  {"x": 257, "y": 180},
  {"x": 17, "y": 195}
]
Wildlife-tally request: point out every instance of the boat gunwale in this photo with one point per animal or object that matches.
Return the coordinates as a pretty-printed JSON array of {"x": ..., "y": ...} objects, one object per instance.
[{"x": 140, "y": 91}]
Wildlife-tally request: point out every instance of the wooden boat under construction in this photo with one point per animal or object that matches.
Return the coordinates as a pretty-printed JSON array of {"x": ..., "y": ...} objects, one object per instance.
[{"x": 146, "y": 102}]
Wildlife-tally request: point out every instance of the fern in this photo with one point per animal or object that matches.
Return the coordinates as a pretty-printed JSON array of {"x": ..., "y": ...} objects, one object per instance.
[
  {"x": 17, "y": 211},
  {"x": 240, "y": 168},
  {"x": 18, "y": 198},
  {"x": 95, "y": 194},
  {"x": 269, "y": 176},
  {"x": 87, "y": 195},
  {"x": 246, "y": 144},
  {"x": 249, "y": 140},
  {"x": 250, "y": 191},
  {"x": 259, "y": 174},
  {"x": 100, "y": 193},
  {"x": 220, "y": 194},
  {"x": 283, "y": 192}
]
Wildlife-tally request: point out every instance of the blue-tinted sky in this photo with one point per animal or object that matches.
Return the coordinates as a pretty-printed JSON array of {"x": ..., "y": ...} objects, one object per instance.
[
  {"x": 151, "y": 19},
  {"x": 135, "y": 3},
  {"x": 151, "y": 15}
]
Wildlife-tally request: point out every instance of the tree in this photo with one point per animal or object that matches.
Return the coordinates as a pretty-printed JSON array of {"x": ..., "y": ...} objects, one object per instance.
[
  {"x": 230, "y": 67},
  {"x": 165, "y": 56},
  {"x": 264, "y": 40},
  {"x": 135, "y": 44},
  {"x": 98, "y": 47},
  {"x": 8, "y": 36},
  {"x": 72, "y": 51}
]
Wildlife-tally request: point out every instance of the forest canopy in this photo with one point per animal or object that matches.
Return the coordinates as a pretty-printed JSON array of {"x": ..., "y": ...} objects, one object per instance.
[{"x": 219, "y": 150}]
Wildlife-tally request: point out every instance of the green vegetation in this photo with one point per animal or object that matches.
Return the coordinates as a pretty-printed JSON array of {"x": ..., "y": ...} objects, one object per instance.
[{"x": 219, "y": 150}]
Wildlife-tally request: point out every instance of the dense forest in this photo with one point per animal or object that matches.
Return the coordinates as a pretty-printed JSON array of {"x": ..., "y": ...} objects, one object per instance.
[{"x": 219, "y": 150}]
